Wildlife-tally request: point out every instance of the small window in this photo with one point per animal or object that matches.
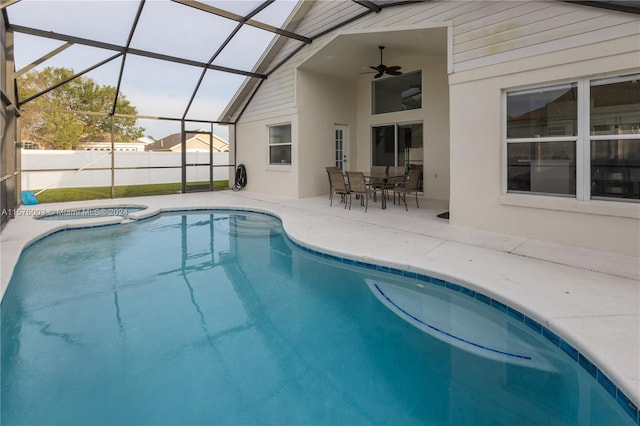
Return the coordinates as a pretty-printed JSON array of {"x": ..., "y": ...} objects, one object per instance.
[
  {"x": 401, "y": 93},
  {"x": 280, "y": 144}
]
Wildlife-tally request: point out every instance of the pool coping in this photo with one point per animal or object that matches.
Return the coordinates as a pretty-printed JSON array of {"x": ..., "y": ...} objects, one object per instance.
[{"x": 581, "y": 347}]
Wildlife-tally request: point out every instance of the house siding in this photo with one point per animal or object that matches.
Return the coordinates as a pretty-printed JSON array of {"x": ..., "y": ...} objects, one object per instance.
[
  {"x": 555, "y": 28},
  {"x": 484, "y": 34}
]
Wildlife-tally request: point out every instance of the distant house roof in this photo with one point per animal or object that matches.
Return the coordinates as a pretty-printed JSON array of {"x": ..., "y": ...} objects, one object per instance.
[
  {"x": 172, "y": 142},
  {"x": 145, "y": 140}
]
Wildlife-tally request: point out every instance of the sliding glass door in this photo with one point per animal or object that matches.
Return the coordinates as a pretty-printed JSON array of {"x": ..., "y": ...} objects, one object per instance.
[
  {"x": 384, "y": 146},
  {"x": 398, "y": 145}
]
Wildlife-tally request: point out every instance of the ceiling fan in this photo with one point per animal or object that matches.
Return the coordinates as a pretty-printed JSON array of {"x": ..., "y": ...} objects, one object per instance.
[{"x": 383, "y": 69}]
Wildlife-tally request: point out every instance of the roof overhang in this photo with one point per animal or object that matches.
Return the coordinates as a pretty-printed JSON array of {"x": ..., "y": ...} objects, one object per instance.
[{"x": 349, "y": 55}]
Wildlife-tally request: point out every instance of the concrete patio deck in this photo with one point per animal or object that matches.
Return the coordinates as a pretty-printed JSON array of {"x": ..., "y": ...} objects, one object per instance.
[{"x": 589, "y": 298}]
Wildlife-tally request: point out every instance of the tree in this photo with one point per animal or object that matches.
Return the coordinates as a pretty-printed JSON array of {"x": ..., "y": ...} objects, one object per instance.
[{"x": 43, "y": 122}]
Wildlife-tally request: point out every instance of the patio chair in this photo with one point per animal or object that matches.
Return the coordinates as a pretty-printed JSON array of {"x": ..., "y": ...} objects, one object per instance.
[
  {"x": 358, "y": 186},
  {"x": 410, "y": 186},
  {"x": 337, "y": 186},
  {"x": 331, "y": 169},
  {"x": 396, "y": 177},
  {"x": 376, "y": 184}
]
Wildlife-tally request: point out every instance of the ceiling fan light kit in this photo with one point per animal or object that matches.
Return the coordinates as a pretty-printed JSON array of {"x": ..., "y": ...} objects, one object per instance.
[{"x": 383, "y": 69}]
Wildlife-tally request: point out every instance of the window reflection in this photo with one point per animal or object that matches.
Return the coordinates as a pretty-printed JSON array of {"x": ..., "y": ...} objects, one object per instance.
[
  {"x": 615, "y": 169},
  {"x": 542, "y": 167},
  {"x": 544, "y": 112},
  {"x": 615, "y": 107},
  {"x": 280, "y": 144},
  {"x": 384, "y": 146},
  {"x": 400, "y": 93}
]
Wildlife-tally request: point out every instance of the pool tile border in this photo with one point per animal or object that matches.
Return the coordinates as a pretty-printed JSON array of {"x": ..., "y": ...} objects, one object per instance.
[{"x": 607, "y": 384}]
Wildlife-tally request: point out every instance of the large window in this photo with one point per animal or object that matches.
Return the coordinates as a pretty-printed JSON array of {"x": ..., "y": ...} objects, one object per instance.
[
  {"x": 280, "y": 144},
  {"x": 579, "y": 140},
  {"x": 399, "y": 93}
]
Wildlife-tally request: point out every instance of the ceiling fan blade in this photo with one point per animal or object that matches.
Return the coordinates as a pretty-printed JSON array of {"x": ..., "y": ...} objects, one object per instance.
[{"x": 382, "y": 68}]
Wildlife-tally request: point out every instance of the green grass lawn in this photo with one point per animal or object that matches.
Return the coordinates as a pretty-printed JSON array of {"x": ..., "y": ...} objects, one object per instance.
[{"x": 56, "y": 195}]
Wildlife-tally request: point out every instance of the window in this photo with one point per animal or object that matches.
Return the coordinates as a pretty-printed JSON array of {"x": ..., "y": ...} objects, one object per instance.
[
  {"x": 578, "y": 140},
  {"x": 398, "y": 145},
  {"x": 399, "y": 93},
  {"x": 614, "y": 109},
  {"x": 542, "y": 129},
  {"x": 280, "y": 144}
]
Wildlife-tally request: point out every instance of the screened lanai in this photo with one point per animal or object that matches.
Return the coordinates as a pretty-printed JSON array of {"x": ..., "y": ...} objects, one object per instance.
[
  {"x": 172, "y": 67},
  {"x": 176, "y": 63}
]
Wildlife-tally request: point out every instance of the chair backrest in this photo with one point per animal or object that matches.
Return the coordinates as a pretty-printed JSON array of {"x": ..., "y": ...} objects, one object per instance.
[
  {"x": 396, "y": 171},
  {"x": 357, "y": 182},
  {"x": 396, "y": 174},
  {"x": 412, "y": 179},
  {"x": 336, "y": 180},
  {"x": 329, "y": 170},
  {"x": 378, "y": 172}
]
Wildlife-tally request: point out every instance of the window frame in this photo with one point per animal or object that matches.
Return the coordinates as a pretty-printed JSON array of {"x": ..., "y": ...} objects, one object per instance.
[
  {"x": 270, "y": 144},
  {"x": 582, "y": 139}
]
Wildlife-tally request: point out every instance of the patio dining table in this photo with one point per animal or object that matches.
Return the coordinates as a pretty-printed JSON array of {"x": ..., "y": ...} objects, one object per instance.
[{"x": 385, "y": 180}]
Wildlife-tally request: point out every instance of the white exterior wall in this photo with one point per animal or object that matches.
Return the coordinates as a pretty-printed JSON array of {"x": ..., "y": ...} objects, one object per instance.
[
  {"x": 252, "y": 151},
  {"x": 494, "y": 46},
  {"x": 484, "y": 33},
  {"x": 478, "y": 195},
  {"x": 322, "y": 103},
  {"x": 434, "y": 117}
]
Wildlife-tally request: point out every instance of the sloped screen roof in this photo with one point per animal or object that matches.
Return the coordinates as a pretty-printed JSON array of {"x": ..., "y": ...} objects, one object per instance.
[
  {"x": 175, "y": 60},
  {"x": 171, "y": 59},
  {"x": 179, "y": 60}
]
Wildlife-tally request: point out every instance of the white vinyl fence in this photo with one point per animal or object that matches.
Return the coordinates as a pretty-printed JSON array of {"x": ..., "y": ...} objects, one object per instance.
[{"x": 58, "y": 169}]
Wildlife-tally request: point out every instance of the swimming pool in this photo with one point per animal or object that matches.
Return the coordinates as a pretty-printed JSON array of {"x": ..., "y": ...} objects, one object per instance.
[
  {"x": 217, "y": 318},
  {"x": 89, "y": 212}
]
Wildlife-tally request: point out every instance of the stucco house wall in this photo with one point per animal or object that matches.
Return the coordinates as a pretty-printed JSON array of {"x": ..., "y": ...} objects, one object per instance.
[
  {"x": 478, "y": 195},
  {"x": 322, "y": 103},
  {"x": 434, "y": 116},
  {"x": 251, "y": 149},
  {"x": 491, "y": 47}
]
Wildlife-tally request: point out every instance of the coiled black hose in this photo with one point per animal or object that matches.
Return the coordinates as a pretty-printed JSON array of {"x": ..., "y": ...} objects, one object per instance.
[{"x": 241, "y": 178}]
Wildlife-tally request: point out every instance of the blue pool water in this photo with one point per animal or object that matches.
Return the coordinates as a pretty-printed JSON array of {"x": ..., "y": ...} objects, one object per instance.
[{"x": 215, "y": 317}]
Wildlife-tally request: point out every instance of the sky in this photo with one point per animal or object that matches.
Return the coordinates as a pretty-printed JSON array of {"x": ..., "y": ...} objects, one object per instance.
[{"x": 154, "y": 87}]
